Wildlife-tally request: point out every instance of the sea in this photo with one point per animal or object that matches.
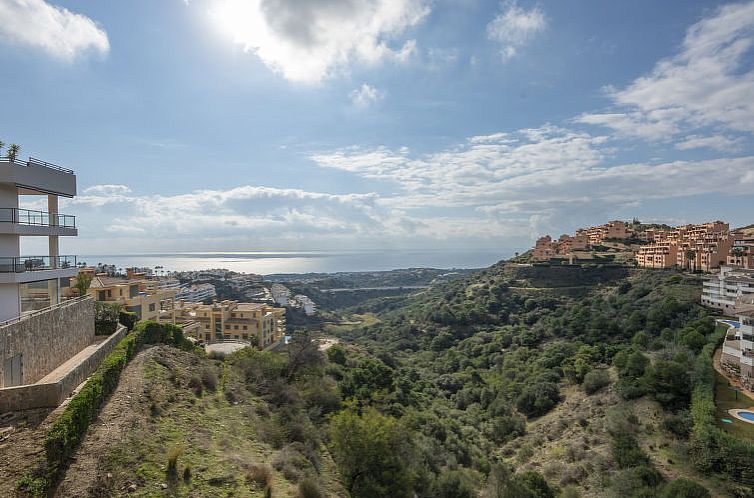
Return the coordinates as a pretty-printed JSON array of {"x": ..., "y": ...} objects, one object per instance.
[{"x": 270, "y": 262}]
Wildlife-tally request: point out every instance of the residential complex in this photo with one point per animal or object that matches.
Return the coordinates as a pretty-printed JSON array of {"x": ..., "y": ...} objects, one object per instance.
[
  {"x": 738, "y": 349},
  {"x": 136, "y": 293},
  {"x": 585, "y": 238},
  {"x": 197, "y": 293},
  {"x": 730, "y": 290},
  {"x": 259, "y": 323},
  {"x": 696, "y": 247}
]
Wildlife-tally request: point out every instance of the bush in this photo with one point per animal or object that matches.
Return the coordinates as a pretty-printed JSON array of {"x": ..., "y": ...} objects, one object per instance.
[
  {"x": 595, "y": 380},
  {"x": 128, "y": 319},
  {"x": 209, "y": 379},
  {"x": 538, "y": 399},
  {"x": 106, "y": 317},
  {"x": 684, "y": 488},
  {"x": 626, "y": 451},
  {"x": 260, "y": 476},
  {"x": 309, "y": 489}
]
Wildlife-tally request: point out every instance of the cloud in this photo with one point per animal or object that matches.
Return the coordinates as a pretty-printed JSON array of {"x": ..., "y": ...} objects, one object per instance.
[
  {"x": 546, "y": 173},
  {"x": 708, "y": 83},
  {"x": 308, "y": 41},
  {"x": 59, "y": 32},
  {"x": 365, "y": 96},
  {"x": 717, "y": 142},
  {"x": 514, "y": 27},
  {"x": 108, "y": 189}
]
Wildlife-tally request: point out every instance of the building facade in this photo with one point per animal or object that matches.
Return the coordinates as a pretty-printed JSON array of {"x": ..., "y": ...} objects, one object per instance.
[
  {"x": 197, "y": 293},
  {"x": 137, "y": 294},
  {"x": 32, "y": 283},
  {"x": 738, "y": 350},
  {"x": 730, "y": 290},
  {"x": 257, "y": 323}
]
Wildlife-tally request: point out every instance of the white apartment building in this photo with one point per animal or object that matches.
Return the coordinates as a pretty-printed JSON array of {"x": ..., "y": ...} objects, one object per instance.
[
  {"x": 280, "y": 294},
  {"x": 33, "y": 282},
  {"x": 305, "y": 303},
  {"x": 196, "y": 293},
  {"x": 730, "y": 290},
  {"x": 738, "y": 349}
]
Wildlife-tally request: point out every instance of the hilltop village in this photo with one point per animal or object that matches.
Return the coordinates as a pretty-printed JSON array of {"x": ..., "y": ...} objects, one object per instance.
[{"x": 695, "y": 247}]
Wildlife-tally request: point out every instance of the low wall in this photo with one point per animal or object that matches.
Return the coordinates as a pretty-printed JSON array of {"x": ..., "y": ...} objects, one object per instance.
[
  {"x": 47, "y": 340},
  {"x": 57, "y": 388}
]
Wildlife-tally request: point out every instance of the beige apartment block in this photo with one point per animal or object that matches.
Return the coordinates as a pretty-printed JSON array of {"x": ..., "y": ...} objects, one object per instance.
[
  {"x": 258, "y": 323},
  {"x": 136, "y": 294}
]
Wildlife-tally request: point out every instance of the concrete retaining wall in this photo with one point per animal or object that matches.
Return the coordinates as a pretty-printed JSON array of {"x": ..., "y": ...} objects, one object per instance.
[
  {"x": 47, "y": 340},
  {"x": 57, "y": 388}
]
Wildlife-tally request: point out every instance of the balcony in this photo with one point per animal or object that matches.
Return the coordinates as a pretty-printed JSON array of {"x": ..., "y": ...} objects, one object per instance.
[
  {"x": 30, "y": 268},
  {"x": 36, "y": 263},
  {"x": 35, "y": 176},
  {"x": 31, "y": 222}
]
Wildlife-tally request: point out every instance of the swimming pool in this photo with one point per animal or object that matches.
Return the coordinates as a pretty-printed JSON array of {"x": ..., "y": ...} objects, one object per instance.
[
  {"x": 747, "y": 415},
  {"x": 732, "y": 323}
]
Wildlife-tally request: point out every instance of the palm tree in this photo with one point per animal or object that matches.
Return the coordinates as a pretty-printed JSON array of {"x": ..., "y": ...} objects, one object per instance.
[
  {"x": 13, "y": 151},
  {"x": 690, "y": 256},
  {"x": 2, "y": 144}
]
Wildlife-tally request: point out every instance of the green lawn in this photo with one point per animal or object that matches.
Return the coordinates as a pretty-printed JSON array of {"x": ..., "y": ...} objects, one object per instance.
[{"x": 725, "y": 399}]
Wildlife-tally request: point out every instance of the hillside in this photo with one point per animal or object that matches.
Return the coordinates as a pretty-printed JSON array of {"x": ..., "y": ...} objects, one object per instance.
[{"x": 505, "y": 383}]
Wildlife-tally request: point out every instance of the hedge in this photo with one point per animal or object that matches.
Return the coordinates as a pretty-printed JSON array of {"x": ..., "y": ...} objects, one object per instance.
[
  {"x": 128, "y": 319},
  {"x": 65, "y": 434},
  {"x": 711, "y": 448}
]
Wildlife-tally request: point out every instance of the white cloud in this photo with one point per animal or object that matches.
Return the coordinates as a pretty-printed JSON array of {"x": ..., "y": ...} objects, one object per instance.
[
  {"x": 365, "y": 96},
  {"x": 55, "y": 30},
  {"x": 108, "y": 189},
  {"x": 709, "y": 83},
  {"x": 514, "y": 27},
  {"x": 546, "y": 173},
  {"x": 310, "y": 40},
  {"x": 717, "y": 142}
]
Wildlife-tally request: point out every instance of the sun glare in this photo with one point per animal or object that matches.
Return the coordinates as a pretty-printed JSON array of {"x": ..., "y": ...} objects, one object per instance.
[{"x": 234, "y": 18}]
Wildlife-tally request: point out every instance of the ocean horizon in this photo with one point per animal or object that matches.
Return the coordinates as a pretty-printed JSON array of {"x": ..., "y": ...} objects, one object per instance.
[{"x": 272, "y": 262}]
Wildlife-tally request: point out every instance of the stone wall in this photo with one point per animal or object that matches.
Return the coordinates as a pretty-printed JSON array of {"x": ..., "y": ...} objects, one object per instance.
[
  {"x": 57, "y": 388},
  {"x": 48, "y": 339}
]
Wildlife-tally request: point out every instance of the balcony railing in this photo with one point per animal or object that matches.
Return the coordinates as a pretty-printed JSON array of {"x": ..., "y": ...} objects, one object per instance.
[
  {"x": 35, "y": 218},
  {"x": 37, "y": 162},
  {"x": 23, "y": 264}
]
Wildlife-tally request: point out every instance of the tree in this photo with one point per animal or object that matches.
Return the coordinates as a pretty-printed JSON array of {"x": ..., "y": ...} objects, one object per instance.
[
  {"x": 372, "y": 453},
  {"x": 690, "y": 258},
  {"x": 83, "y": 281},
  {"x": 303, "y": 355},
  {"x": 538, "y": 399},
  {"x": 669, "y": 383},
  {"x": 13, "y": 151}
]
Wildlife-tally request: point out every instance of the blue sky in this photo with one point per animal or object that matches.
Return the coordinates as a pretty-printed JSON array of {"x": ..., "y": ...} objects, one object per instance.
[{"x": 393, "y": 124}]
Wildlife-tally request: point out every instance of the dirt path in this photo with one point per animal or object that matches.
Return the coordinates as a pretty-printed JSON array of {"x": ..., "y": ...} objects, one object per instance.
[
  {"x": 21, "y": 439},
  {"x": 115, "y": 421}
]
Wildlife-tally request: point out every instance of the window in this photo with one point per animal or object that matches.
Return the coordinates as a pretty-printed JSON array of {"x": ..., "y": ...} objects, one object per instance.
[
  {"x": 227, "y": 327},
  {"x": 38, "y": 295},
  {"x": 245, "y": 327},
  {"x": 235, "y": 327},
  {"x": 152, "y": 307},
  {"x": 232, "y": 315}
]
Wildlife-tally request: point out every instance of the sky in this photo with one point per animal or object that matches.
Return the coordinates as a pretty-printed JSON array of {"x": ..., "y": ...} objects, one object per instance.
[{"x": 274, "y": 125}]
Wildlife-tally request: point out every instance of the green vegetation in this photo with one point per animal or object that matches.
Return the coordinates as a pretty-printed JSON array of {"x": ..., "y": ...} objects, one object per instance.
[
  {"x": 483, "y": 386},
  {"x": 65, "y": 434}
]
